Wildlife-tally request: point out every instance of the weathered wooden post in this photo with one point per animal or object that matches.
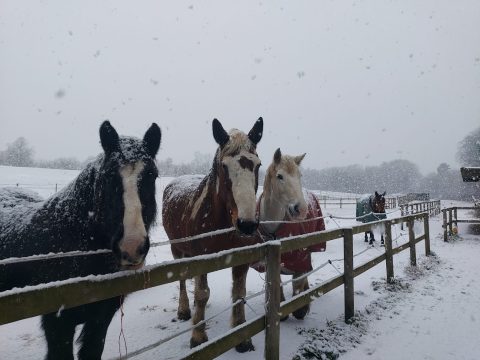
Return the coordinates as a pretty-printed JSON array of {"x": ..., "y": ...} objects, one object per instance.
[
  {"x": 340, "y": 203},
  {"x": 411, "y": 240},
  {"x": 455, "y": 216},
  {"x": 450, "y": 221},
  {"x": 426, "y": 227},
  {"x": 388, "y": 251},
  {"x": 348, "y": 284},
  {"x": 402, "y": 213},
  {"x": 445, "y": 235},
  {"x": 272, "y": 302}
]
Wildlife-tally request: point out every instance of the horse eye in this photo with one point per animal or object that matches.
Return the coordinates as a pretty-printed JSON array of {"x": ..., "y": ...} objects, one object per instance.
[{"x": 279, "y": 176}]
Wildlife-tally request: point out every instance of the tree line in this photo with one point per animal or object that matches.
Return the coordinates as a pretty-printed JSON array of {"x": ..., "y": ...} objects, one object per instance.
[{"x": 398, "y": 176}]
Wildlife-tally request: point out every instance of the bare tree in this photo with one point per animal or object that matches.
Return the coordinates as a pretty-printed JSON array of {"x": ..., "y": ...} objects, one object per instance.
[{"x": 18, "y": 153}]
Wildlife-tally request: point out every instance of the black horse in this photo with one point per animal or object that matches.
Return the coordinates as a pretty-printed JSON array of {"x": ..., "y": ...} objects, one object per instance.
[
  {"x": 371, "y": 208},
  {"x": 110, "y": 205}
]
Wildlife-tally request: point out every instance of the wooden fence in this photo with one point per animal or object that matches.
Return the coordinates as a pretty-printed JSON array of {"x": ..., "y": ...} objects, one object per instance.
[
  {"x": 37, "y": 300},
  {"x": 454, "y": 220},
  {"x": 390, "y": 202},
  {"x": 432, "y": 207}
]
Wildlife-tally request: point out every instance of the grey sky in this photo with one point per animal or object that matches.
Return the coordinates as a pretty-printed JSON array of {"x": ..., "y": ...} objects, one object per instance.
[{"x": 347, "y": 82}]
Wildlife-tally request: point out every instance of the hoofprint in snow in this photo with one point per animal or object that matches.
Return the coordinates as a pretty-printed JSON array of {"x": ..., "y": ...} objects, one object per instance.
[{"x": 428, "y": 314}]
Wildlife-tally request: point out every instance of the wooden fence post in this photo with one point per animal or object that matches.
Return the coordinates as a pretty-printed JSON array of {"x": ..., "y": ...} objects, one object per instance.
[
  {"x": 272, "y": 302},
  {"x": 450, "y": 221},
  {"x": 455, "y": 216},
  {"x": 445, "y": 235},
  {"x": 388, "y": 251},
  {"x": 348, "y": 284},
  {"x": 426, "y": 227},
  {"x": 411, "y": 240}
]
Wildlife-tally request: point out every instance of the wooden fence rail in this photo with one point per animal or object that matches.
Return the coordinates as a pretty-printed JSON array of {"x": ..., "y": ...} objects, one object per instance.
[
  {"x": 36, "y": 300},
  {"x": 454, "y": 220}
]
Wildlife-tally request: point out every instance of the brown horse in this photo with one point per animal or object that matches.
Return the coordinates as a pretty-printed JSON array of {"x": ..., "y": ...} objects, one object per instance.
[
  {"x": 224, "y": 198},
  {"x": 283, "y": 200}
]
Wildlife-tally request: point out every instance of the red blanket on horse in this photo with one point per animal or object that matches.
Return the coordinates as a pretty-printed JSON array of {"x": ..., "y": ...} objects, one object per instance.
[{"x": 297, "y": 261}]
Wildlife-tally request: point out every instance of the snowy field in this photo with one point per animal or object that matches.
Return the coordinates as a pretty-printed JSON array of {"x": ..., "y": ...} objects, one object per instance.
[{"x": 430, "y": 313}]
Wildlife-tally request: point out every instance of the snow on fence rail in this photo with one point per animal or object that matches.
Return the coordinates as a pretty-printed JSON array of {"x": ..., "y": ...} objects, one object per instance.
[
  {"x": 17, "y": 304},
  {"x": 454, "y": 220}
]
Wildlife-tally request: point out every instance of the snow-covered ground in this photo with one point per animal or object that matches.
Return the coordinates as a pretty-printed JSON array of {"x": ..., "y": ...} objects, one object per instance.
[{"x": 430, "y": 313}]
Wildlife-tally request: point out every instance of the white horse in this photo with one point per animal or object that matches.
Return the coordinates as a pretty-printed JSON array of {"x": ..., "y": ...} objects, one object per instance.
[{"x": 283, "y": 200}]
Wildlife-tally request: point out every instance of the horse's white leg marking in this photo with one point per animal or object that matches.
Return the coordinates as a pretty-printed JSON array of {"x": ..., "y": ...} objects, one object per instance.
[
  {"x": 134, "y": 232},
  {"x": 202, "y": 294}
]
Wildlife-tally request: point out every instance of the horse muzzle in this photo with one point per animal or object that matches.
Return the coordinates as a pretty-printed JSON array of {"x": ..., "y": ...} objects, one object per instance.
[
  {"x": 247, "y": 227},
  {"x": 133, "y": 252}
]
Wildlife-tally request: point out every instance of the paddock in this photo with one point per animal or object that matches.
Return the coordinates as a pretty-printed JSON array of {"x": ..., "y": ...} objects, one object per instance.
[{"x": 148, "y": 303}]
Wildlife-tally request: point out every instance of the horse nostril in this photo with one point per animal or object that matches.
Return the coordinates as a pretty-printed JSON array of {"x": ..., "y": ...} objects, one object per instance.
[
  {"x": 296, "y": 209},
  {"x": 143, "y": 249},
  {"x": 125, "y": 256}
]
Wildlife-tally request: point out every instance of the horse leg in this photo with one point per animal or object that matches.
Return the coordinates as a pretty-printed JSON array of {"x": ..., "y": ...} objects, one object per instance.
[
  {"x": 372, "y": 238},
  {"x": 298, "y": 287},
  {"x": 99, "y": 317},
  {"x": 59, "y": 332},
  {"x": 201, "y": 296},
  {"x": 366, "y": 236},
  {"x": 239, "y": 276},
  {"x": 382, "y": 241},
  {"x": 282, "y": 298},
  {"x": 183, "y": 312}
]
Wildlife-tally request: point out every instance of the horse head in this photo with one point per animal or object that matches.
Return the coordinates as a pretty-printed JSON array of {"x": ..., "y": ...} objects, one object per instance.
[
  {"x": 125, "y": 193},
  {"x": 236, "y": 164},
  {"x": 284, "y": 185},
  {"x": 378, "y": 203}
]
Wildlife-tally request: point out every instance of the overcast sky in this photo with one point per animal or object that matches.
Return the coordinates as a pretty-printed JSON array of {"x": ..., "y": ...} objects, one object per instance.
[{"x": 347, "y": 82}]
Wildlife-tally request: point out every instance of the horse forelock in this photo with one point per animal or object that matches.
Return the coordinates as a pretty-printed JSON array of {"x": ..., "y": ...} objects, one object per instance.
[{"x": 238, "y": 142}]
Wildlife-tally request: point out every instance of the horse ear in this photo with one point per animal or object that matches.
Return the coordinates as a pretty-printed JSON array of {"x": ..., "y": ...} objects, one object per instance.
[
  {"x": 277, "y": 157},
  {"x": 109, "y": 137},
  {"x": 376, "y": 194},
  {"x": 219, "y": 133},
  {"x": 255, "y": 135},
  {"x": 151, "y": 139},
  {"x": 298, "y": 159},
  {"x": 384, "y": 193}
]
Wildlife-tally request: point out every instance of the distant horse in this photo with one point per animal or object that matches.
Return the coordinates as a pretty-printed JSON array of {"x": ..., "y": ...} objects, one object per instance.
[
  {"x": 110, "y": 205},
  {"x": 284, "y": 200},
  {"x": 222, "y": 199},
  {"x": 374, "y": 206}
]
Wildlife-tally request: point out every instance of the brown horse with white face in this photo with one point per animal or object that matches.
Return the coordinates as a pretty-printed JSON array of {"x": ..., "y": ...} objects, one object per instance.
[
  {"x": 286, "y": 209},
  {"x": 224, "y": 198}
]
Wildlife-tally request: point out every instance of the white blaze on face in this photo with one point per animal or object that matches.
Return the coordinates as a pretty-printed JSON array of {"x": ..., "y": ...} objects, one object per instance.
[
  {"x": 134, "y": 232},
  {"x": 243, "y": 184}
]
